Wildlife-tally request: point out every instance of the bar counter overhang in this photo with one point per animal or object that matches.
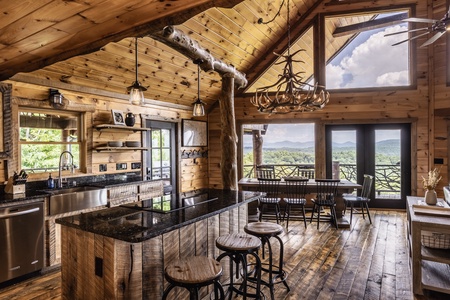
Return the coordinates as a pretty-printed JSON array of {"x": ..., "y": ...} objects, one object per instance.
[{"x": 120, "y": 252}]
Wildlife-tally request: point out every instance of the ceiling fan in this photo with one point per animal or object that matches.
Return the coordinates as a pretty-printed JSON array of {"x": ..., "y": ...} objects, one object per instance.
[{"x": 438, "y": 26}]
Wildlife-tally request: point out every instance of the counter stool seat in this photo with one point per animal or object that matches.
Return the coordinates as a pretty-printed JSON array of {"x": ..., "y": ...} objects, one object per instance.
[
  {"x": 237, "y": 246},
  {"x": 265, "y": 231},
  {"x": 193, "y": 273}
]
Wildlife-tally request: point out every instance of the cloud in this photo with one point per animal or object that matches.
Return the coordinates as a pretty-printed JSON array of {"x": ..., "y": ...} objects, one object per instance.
[{"x": 374, "y": 62}]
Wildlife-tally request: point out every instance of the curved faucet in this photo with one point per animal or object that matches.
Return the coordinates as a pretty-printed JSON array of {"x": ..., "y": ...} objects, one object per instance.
[{"x": 60, "y": 167}]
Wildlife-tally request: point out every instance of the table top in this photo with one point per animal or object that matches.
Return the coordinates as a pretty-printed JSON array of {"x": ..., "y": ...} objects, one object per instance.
[
  {"x": 139, "y": 223},
  {"x": 311, "y": 182}
]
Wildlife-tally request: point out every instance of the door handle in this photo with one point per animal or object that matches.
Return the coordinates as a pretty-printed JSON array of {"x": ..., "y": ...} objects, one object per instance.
[{"x": 19, "y": 213}]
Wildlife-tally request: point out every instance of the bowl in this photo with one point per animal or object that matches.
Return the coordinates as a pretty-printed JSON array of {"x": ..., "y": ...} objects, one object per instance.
[
  {"x": 115, "y": 144},
  {"x": 133, "y": 144}
]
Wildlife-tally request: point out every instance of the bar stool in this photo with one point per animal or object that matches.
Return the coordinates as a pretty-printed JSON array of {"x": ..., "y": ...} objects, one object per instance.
[
  {"x": 193, "y": 273},
  {"x": 237, "y": 246},
  {"x": 265, "y": 231}
]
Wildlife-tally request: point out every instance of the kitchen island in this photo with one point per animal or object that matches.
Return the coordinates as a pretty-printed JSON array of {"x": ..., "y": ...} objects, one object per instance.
[{"x": 120, "y": 252}]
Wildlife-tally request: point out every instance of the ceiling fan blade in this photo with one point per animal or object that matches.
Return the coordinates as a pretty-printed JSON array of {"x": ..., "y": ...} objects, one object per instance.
[
  {"x": 413, "y": 38},
  {"x": 420, "y": 20},
  {"x": 405, "y": 31},
  {"x": 433, "y": 39}
]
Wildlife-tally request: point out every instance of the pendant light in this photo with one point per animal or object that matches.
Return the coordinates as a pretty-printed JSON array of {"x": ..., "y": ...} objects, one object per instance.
[
  {"x": 199, "y": 105},
  {"x": 136, "y": 90}
]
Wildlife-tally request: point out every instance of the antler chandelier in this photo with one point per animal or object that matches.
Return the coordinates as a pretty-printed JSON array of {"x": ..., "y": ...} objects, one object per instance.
[{"x": 292, "y": 93}]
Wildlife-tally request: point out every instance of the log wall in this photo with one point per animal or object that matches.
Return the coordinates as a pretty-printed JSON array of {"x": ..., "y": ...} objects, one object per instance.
[{"x": 193, "y": 172}]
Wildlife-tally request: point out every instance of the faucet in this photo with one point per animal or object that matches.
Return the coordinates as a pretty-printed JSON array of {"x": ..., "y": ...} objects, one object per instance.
[{"x": 60, "y": 167}]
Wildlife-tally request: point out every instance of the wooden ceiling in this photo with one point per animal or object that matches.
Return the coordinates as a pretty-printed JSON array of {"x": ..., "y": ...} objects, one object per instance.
[{"x": 90, "y": 43}]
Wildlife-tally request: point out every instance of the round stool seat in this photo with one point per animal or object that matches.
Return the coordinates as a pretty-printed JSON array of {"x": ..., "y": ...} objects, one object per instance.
[
  {"x": 263, "y": 229},
  {"x": 194, "y": 270},
  {"x": 240, "y": 242}
]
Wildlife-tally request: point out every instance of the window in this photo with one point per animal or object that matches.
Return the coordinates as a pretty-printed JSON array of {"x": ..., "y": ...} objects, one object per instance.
[
  {"x": 44, "y": 135},
  {"x": 290, "y": 148},
  {"x": 358, "y": 57}
]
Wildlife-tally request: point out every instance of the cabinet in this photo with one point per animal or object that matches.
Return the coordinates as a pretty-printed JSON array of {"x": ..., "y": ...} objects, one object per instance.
[
  {"x": 429, "y": 267},
  {"x": 118, "y": 195},
  {"x": 116, "y": 128}
]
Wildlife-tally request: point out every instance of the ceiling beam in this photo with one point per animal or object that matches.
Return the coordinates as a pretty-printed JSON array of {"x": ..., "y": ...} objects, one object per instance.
[
  {"x": 369, "y": 25},
  {"x": 17, "y": 65}
]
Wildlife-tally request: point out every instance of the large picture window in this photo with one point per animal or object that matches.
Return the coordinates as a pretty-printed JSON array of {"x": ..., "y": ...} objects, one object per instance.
[
  {"x": 360, "y": 53},
  {"x": 44, "y": 135}
]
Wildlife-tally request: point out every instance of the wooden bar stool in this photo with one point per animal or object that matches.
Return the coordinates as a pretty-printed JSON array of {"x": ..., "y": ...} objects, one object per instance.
[
  {"x": 265, "y": 231},
  {"x": 237, "y": 246},
  {"x": 193, "y": 273}
]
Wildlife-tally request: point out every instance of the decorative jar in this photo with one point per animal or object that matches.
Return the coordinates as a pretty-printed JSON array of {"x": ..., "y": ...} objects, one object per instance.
[
  {"x": 430, "y": 197},
  {"x": 130, "y": 119}
]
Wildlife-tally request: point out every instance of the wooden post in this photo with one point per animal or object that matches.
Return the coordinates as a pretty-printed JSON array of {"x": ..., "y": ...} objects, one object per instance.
[
  {"x": 257, "y": 149},
  {"x": 228, "y": 138}
]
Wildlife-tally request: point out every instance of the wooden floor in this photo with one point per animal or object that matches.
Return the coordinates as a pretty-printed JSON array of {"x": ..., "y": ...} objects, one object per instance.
[{"x": 364, "y": 262}]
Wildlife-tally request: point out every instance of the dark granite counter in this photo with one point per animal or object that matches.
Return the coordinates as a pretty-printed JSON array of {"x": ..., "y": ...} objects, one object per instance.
[
  {"x": 23, "y": 198},
  {"x": 135, "y": 223}
]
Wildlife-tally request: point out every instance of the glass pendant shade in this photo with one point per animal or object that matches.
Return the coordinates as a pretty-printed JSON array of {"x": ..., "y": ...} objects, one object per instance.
[{"x": 199, "y": 108}]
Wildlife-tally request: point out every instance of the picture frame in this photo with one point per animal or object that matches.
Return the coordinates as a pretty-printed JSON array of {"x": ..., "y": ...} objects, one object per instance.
[
  {"x": 117, "y": 116},
  {"x": 195, "y": 133}
]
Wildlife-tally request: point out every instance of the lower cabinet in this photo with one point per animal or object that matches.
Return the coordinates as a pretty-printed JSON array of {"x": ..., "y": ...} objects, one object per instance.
[{"x": 430, "y": 267}]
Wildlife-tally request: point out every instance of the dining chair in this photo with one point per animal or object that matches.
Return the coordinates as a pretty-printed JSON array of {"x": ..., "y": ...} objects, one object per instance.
[
  {"x": 295, "y": 197},
  {"x": 271, "y": 188},
  {"x": 265, "y": 171},
  {"x": 326, "y": 190},
  {"x": 363, "y": 199}
]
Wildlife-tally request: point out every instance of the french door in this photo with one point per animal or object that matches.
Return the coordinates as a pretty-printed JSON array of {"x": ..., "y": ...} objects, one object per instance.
[
  {"x": 160, "y": 160},
  {"x": 381, "y": 150}
]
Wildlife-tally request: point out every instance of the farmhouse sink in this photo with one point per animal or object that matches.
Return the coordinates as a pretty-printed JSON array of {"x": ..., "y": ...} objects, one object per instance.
[{"x": 72, "y": 199}]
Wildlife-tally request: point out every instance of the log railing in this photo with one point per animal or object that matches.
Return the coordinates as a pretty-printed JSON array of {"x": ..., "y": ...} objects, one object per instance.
[{"x": 387, "y": 177}]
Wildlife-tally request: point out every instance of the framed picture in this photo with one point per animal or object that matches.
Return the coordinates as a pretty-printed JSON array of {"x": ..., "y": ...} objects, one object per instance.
[
  {"x": 118, "y": 118},
  {"x": 195, "y": 133}
]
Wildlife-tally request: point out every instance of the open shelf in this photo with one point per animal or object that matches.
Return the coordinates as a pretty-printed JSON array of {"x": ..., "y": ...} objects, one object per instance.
[{"x": 119, "y": 127}]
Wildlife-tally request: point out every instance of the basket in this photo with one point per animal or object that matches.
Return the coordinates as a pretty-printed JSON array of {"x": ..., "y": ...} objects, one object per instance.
[{"x": 435, "y": 240}]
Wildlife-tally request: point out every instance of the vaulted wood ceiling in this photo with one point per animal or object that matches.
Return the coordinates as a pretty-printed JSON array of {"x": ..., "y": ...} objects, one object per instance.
[{"x": 90, "y": 43}]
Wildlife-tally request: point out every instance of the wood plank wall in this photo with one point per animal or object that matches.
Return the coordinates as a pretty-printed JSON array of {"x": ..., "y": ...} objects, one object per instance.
[
  {"x": 193, "y": 173},
  {"x": 429, "y": 130}
]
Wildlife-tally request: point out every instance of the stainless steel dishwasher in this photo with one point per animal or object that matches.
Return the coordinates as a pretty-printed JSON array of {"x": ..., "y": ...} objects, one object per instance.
[{"x": 21, "y": 240}]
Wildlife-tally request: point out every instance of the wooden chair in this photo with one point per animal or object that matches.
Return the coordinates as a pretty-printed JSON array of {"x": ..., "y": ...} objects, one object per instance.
[
  {"x": 269, "y": 186},
  {"x": 363, "y": 200},
  {"x": 265, "y": 171},
  {"x": 310, "y": 174},
  {"x": 326, "y": 190},
  {"x": 295, "y": 196}
]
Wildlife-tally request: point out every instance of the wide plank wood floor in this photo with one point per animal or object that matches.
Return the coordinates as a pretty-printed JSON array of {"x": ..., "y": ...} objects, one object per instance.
[{"x": 364, "y": 262}]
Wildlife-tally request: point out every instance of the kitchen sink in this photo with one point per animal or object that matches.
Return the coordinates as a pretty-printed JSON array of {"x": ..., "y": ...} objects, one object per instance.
[{"x": 72, "y": 199}]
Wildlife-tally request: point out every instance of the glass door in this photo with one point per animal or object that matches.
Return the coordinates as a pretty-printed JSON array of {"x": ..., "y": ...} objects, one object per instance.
[
  {"x": 160, "y": 160},
  {"x": 381, "y": 150}
]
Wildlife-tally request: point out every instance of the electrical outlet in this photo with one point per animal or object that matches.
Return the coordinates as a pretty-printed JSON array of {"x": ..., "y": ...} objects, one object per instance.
[
  {"x": 102, "y": 167},
  {"x": 135, "y": 166},
  {"x": 121, "y": 166}
]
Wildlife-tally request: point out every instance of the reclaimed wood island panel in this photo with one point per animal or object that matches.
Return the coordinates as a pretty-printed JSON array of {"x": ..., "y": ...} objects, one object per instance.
[{"x": 120, "y": 252}]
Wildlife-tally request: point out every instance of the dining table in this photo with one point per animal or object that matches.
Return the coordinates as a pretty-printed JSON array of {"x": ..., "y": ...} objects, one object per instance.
[{"x": 344, "y": 187}]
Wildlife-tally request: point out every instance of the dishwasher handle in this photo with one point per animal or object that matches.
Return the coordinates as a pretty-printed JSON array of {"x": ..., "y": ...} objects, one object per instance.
[{"x": 19, "y": 213}]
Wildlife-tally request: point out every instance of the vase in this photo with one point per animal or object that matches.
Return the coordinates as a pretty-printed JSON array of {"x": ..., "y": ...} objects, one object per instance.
[
  {"x": 130, "y": 119},
  {"x": 430, "y": 197}
]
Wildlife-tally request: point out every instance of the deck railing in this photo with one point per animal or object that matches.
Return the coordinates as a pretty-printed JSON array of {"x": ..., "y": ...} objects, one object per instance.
[{"x": 387, "y": 177}]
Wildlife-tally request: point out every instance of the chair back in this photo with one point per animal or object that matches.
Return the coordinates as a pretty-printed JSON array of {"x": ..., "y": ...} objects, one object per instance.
[
  {"x": 270, "y": 186},
  {"x": 295, "y": 187},
  {"x": 367, "y": 186},
  {"x": 265, "y": 172},
  {"x": 326, "y": 190},
  {"x": 310, "y": 174}
]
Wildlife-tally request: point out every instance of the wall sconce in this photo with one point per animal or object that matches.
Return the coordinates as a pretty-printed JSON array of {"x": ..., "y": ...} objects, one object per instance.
[{"x": 56, "y": 98}]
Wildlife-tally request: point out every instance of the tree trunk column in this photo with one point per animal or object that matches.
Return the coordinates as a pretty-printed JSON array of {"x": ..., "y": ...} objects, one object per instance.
[
  {"x": 257, "y": 149},
  {"x": 228, "y": 137}
]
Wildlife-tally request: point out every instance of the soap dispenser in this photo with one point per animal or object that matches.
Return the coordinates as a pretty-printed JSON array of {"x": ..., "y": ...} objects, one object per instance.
[{"x": 50, "y": 181}]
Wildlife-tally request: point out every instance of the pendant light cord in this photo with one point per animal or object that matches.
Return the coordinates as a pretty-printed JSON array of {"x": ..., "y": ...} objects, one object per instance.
[
  {"x": 198, "y": 80},
  {"x": 136, "y": 57}
]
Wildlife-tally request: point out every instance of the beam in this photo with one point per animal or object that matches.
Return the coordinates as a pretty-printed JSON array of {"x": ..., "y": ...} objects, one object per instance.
[
  {"x": 369, "y": 25},
  {"x": 181, "y": 42}
]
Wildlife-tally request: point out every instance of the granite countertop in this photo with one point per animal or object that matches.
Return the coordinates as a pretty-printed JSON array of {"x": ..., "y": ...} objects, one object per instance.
[{"x": 143, "y": 220}]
